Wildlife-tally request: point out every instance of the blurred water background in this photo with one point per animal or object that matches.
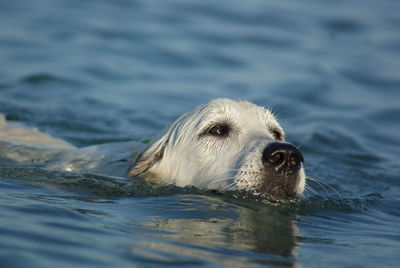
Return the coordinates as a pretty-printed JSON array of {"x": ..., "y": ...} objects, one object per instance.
[{"x": 100, "y": 71}]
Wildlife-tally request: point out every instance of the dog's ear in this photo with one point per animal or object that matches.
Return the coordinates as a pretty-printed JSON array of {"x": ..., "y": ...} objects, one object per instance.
[{"x": 145, "y": 160}]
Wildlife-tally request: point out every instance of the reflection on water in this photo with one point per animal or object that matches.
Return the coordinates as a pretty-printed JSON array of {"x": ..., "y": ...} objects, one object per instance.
[
  {"x": 266, "y": 231},
  {"x": 199, "y": 225}
]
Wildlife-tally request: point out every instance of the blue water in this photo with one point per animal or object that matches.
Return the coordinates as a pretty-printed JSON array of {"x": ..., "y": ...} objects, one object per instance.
[{"x": 94, "y": 72}]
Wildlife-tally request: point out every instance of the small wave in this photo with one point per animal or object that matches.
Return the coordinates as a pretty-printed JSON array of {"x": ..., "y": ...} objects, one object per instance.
[
  {"x": 314, "y": 204},
  {"x": 39, "y": 78},
  {"x": 88, "y": 183},
  {"x": 373, "y": 80},
  {"x": 343, "y": 25},
  {"x": 98, "y": 186}
]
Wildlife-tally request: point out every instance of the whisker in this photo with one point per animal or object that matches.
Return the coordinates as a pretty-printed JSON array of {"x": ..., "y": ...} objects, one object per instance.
[
  {"x": 227, "y": 178},
  {"x": 323, "y": 184},
  {"x": 309, "y": 188},
  {"x": 220, "y": 180},
  {"x": 229, "y": 186},
  {"x": 319, "y": 183}
]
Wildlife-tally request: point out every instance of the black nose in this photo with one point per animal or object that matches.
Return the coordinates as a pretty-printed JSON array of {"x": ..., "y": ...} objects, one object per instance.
[{"x": 282, "y": 155}]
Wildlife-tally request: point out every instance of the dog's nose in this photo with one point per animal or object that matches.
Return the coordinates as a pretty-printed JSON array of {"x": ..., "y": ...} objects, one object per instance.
[{"x": 282, "y": 155}]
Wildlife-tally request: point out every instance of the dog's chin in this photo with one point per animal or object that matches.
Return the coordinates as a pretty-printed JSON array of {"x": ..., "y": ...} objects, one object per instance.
[
  {"x": 282, "y": 184},
  {"x": 280, "y": 192},
  {"x": 278, "y": 186},
  {"x": 271, "y": 199},
  {"x": 277, "y": 193}
]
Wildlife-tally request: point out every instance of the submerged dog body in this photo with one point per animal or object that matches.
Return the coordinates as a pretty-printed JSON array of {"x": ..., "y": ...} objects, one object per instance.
[{"x": 224, "y": 145}]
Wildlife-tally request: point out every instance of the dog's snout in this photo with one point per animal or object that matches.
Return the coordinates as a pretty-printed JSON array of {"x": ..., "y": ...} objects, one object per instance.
[{"x": 282, "y": 155}]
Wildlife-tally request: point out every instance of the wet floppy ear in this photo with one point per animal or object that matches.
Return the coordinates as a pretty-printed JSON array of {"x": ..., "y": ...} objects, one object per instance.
[{"x": 145, "y": 160}]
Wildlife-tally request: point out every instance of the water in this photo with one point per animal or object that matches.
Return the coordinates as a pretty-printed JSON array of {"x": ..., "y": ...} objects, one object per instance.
[{"x": 94, "y": 72}]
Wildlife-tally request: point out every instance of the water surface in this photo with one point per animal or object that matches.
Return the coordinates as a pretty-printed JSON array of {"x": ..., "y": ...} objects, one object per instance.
[{"x": 94, "y": 72}]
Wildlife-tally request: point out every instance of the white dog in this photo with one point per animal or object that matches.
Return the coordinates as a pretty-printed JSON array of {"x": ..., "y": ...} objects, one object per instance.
[{"x": 224, "y": 144}]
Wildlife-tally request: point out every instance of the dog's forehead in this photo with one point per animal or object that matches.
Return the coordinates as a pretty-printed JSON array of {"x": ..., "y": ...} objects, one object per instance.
[{"x": 239, "y": 111}]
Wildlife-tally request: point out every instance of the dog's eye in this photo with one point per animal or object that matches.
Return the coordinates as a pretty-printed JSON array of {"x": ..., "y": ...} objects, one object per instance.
[
  {"x": 219, "y": 130},
  {"x": 277, "y": 134}
]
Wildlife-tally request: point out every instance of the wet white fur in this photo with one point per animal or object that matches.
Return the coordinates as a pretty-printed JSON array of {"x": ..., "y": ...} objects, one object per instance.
[{"x": 184, "y": 156}]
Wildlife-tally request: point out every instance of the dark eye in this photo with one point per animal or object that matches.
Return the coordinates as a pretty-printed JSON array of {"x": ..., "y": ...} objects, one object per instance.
[
  {"x": 277, "y": 135},
  {"x": 219, "y": 130}
]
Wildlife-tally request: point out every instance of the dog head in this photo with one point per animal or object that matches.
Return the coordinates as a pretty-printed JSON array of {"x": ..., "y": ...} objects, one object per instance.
[{"x": 225, "y": 145}]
